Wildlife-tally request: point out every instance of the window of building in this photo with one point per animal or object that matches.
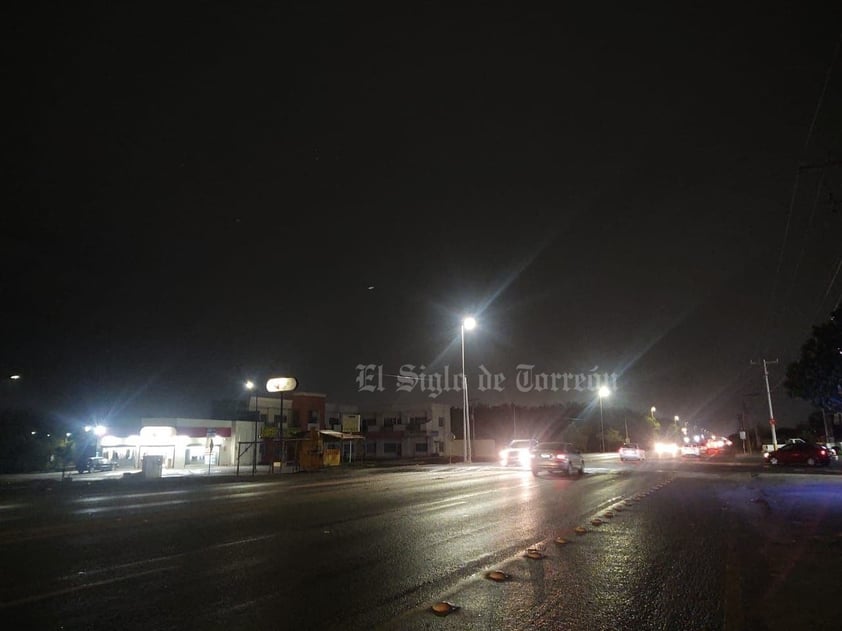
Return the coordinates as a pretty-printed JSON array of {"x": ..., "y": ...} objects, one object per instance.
[
  {"x": 390, "y": 448},
  {"x": 420, "y": 448},
  {"x": 390, "y": 421}
]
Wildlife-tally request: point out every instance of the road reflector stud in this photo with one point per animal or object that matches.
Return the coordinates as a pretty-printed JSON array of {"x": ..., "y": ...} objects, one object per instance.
[
  {"x": 608, "y": 514},
  {"x": 596, "y": 522},
  {"x": 497, "y": 575},
  {"x": 618, "y": 509},
  {"x": 580, "y": 530},
  {"x": 560, "y": 540},
  {"x": 444, "y": 608},
  {"x": 534, "y": 553}
]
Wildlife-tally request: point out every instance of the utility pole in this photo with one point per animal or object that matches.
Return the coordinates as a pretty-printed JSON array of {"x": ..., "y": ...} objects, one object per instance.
[
  {"x": 514, "y": 423},
  {"x": 772, "y": 422},
  {"x": 828, "y": 437}
]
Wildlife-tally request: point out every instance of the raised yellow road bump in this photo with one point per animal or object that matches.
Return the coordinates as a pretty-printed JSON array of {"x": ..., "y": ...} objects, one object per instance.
[{"x": 444, "y": 608}]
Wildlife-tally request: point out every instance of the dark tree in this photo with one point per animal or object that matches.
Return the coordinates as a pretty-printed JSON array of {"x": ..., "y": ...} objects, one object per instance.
[{"x": 817, "y": 376}]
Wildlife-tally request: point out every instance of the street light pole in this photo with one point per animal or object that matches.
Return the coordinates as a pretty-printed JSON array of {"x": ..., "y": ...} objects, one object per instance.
[
  {"x": 250, "y": 386},
  {"x": 603, "y": 392},
  {"x": 467, "y": 323}
]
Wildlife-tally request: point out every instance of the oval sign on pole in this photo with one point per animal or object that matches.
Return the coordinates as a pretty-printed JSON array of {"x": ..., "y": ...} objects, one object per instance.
[{"x": 281, "y": 384}]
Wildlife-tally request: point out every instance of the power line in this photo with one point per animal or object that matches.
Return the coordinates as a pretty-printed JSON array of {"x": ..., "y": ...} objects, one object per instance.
[{"x": 809, "y": 136}]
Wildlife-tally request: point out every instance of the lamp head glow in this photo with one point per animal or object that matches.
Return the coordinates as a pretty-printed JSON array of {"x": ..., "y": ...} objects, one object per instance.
[
  {"x": 100, "y": 430},
  {"x": 249, "y": 385},
  {"x": 604, "y": 391},
  {"x": 652, "y": 409},
  {"x": 469, "y": 323}
]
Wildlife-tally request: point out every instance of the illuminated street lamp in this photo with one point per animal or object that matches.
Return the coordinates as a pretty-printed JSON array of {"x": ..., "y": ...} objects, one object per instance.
[
  {"x": 467, "y": 324},
  {"x": 99, "y": 431},
  {"x": 250, "y": 385},
  {"x": 604, "y": 391}
]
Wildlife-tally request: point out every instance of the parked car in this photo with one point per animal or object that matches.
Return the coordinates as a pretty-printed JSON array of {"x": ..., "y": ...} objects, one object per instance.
[
  {"x": 517, "y": 452},
  {"x": 97, "y": 463},
  {"x": 631, "y": 451},
  {"x": 557, "y": 458},
  {"x": 800, "y": 453}
]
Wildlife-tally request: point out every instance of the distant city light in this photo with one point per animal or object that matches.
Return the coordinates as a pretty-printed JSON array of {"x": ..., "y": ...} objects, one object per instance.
[{"x": 14, "y": 377}]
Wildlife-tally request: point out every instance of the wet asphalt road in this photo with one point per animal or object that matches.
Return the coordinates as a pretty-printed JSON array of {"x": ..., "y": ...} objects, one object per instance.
[{"x": 690, "y": 545}]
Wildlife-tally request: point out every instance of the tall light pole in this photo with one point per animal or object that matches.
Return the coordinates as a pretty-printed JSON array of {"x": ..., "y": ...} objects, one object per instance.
[
  {"x": 249, "y": 385},
  {"x": 467, "y": 324},
  {"x": 604, "y": 391}
]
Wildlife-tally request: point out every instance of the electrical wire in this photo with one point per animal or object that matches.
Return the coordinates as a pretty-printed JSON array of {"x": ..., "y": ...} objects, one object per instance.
[{"x": 773, "y": 299}]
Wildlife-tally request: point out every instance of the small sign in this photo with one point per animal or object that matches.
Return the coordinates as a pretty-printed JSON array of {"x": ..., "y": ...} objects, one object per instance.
[
  {"x": 742, "y": 435},
  {"x": 351, "y": 423}
]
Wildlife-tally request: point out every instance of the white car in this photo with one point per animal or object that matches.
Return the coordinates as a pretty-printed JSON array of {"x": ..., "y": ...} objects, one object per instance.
[
  {"x": 517, "y": 453},
  {"x": 631, "y": 451},
  {"x": 691, "y": 450}
]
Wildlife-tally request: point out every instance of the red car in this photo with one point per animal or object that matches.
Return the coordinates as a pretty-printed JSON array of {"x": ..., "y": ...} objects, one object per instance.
[{"x": 800, "y": 453}]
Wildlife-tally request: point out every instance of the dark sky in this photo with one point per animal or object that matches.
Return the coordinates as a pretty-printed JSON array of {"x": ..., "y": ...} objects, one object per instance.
[{"x": 200, "y": 195}]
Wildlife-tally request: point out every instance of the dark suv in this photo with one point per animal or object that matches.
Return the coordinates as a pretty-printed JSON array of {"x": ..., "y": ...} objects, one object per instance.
[
  {"x": 97, "y": 463},
  {"x": 557, "y": 458}
]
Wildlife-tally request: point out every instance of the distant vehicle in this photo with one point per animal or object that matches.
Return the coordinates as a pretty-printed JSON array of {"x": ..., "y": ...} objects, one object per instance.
[
  {"x": 631, "y": 451},
  {"x": 666, "y": 449},
  {"x": 690, "y": 450},
  {"x": 97, "y": 463},
  {"x": 800, "y": 453},
  {"x": 557, "y": 458},
  {"x": 517, "y": 452}
]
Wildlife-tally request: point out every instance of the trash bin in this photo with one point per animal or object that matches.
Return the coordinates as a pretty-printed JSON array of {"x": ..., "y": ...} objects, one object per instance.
[{"x": 153, "y": 466}]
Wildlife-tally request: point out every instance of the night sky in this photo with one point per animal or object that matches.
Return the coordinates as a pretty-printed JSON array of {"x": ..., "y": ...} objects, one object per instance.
[{"x": 202, "y": 195}]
